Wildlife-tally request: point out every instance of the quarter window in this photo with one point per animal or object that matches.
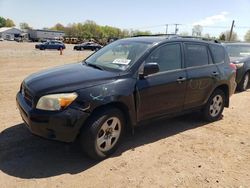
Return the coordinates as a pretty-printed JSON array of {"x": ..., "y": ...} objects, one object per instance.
[
  {"x": 168, "y": 57},
  {"x": 196, "y": 55},
  {"x": 218, "y": 53}
]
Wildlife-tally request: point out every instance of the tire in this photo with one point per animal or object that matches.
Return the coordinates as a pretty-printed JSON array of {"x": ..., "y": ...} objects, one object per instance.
[
  {"x": 244, "y": 83},
  {"x": 215, "y": 106},
  {"x": 97, "y": 138}
]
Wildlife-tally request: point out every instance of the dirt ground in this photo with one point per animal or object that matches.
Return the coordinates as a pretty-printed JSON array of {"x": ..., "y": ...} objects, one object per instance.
[{"x": 179, "y": 152}]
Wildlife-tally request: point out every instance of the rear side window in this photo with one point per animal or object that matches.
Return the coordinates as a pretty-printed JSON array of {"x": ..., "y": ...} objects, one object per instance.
[
  {"x": 196, "y": 55},
  {"x": 168, "y": 57},
  {"x": 218, "y": 53}
]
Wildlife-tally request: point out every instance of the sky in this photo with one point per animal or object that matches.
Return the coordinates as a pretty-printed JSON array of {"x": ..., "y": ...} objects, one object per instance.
[{"x": 214, "y": 15}]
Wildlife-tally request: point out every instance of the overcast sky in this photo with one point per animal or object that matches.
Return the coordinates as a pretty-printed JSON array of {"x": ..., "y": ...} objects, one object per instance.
[{"x": 215, "y": 15}]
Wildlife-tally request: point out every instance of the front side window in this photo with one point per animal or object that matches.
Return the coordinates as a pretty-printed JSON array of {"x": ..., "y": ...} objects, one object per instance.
[
  {"x": 196, "y": 55},
  {"x": 168, "y": 57},
  {"x": 119, "y": 55}
]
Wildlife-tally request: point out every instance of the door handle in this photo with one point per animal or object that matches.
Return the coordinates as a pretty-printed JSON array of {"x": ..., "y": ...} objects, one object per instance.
[
  {"x": 181, "y": 79},
  {"x": 215, "y": 73}
]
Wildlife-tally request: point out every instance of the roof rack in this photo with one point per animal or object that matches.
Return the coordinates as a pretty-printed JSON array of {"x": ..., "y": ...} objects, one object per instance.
[
  {"x": 172, "y": 36},
  {"x": 155, "y": 35},
  {"x": 200, "y": 38}
]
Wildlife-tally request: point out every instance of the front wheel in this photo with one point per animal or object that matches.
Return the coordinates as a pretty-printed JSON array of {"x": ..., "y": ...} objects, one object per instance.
[
  {"x": 244, "y": 82},
  {"x": 215, "y": 106},
  {"x": 103, "y": 133}
]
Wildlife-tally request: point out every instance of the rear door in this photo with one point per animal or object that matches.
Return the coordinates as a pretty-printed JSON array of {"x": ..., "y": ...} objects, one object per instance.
[
  {"x": 51, "y": 45},
  {"x": 163, "y": 92},
  {"x": 202, "y": 74}
]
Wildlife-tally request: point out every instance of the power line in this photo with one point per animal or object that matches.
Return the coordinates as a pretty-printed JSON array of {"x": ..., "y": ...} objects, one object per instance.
[
  {"x": 152, "y": 26},
  {"x": 189, "y": 25}
]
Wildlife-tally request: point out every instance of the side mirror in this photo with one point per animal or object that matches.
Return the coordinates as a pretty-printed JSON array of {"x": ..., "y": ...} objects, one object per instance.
[{"x": 150, "y": 68}]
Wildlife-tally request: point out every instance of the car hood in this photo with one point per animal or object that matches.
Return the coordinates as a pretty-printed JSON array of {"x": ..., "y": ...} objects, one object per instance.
[
  {"x": 67, "y": 78},
  {"x": 238, "y": 59}
]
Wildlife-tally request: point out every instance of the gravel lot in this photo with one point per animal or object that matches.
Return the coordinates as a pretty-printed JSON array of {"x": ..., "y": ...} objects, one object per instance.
[{"x": 179, "y": 152}]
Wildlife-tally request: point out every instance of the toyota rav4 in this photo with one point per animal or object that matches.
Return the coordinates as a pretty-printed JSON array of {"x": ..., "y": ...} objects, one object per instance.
[{"x": 124, "y": 84}]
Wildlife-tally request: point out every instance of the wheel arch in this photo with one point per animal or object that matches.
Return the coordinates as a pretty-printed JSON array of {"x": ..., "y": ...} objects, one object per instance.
[
  {"x": 248, "y": 71},
  {"x": 225, "y": 89},
  {"x": 120, "y": 106}
]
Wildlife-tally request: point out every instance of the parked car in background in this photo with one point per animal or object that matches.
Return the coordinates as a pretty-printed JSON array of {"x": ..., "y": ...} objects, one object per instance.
[
  {"x": 52, "y": 45},
  {"x": 88, "y": 46},
  {"x": 239, "y": 54},
  {"x": 147, "y": 78},
  {"x": 1, "y": 39},
  {"x": 18, "y": 39}
]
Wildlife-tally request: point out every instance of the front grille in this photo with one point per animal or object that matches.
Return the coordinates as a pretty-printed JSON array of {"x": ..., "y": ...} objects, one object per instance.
[{"x": 27, "y": 95}]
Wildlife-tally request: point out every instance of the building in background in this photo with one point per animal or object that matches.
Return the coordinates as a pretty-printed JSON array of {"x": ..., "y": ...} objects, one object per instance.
[
  {"x": 42, "y": 35},
  {"x": 10, "y": 33}
]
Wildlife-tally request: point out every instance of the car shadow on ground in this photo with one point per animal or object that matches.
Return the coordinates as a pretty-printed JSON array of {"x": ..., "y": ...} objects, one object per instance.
[
  {"x": 27, "y": 156},
  {"x": 240, "y": 92}
]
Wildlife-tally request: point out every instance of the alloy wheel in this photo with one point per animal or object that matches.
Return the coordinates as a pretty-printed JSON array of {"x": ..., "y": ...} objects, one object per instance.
[
  {"x": 108, "y": 134},
  {"x": 216, "y": 105}
]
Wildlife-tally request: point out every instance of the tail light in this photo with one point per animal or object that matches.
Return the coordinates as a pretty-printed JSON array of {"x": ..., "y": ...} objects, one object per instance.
[{"x": 233, "y": 66}]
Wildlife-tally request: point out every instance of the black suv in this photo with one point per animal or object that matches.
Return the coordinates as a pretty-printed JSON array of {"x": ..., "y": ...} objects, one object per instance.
[{"x": 124, "y": 84}]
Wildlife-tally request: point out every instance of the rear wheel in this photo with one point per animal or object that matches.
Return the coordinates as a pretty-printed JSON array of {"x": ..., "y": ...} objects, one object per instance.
[
  {"x": 244, "y": 82},
  {"x": 215, "y": 106},
  {"x": 103, "y": 133}
]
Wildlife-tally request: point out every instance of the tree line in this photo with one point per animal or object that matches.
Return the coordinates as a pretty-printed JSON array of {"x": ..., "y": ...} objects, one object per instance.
[
  {"x": 90, "y": 30},
  {"x": 6, "y": 22}
]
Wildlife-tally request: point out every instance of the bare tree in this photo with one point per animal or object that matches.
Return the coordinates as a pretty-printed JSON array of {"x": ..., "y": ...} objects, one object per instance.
[
  {"x": 226, "y": 35},
  {"x": 197, "y": 31},
  {"x": 247, "y": 36},
  {"x": 24, "y": 25}
]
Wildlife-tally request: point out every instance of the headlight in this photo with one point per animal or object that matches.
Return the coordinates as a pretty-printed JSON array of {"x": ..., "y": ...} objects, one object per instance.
[{"x": 56, "y": 101}]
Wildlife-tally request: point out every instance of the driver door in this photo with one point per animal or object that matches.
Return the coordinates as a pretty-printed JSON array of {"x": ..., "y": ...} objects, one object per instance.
[{"x": 164, "y": 92}]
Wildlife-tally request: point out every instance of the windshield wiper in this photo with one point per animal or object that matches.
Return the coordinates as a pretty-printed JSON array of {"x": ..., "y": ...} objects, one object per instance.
[{"x": 93, "y": 65}]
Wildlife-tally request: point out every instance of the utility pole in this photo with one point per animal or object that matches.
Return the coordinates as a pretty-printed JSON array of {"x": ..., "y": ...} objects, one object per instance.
[
  {"x": 231, "y": 31},
  {"x": 176, "y": 28},
  {"x": 166, "y": 28}
]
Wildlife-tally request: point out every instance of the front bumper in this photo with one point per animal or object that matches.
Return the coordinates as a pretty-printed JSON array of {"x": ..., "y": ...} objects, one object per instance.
[{"x": 61, "y": 125}]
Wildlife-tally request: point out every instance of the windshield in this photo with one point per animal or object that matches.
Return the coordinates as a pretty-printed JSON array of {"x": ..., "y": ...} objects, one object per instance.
[
  {"x": 238, "y": 50},
  {"x": 119, "y": 55}
]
